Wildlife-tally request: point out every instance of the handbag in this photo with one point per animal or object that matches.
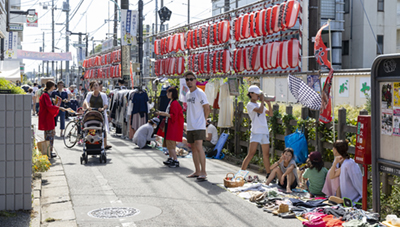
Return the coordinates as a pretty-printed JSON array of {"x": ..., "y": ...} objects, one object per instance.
[{"x": 298, "y": 142}]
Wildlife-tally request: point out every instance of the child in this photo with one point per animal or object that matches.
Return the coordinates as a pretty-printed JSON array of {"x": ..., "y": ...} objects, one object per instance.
[
  {"x": 286, "y": 171},
  {"x": 315, "y": 174}
]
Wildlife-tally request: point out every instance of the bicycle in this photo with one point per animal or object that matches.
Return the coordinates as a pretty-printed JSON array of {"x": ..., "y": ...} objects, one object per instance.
[{"x": 73, "y": 133}]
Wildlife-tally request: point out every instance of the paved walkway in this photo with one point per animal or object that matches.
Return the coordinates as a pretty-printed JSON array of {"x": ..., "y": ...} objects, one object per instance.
[{"x": 134, "y": 178}]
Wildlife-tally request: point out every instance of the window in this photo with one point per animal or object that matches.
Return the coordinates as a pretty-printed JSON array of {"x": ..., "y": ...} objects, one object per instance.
[
  {"x": 379, "y": 48},
  {"x": 346, "y": 6},
  {"x": 345, "y": 47},
  {"x": 381, "y": 5}
]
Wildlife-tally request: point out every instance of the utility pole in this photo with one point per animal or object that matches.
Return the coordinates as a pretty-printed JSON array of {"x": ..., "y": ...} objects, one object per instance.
[
  {"x": 61, "y": 70},
  {"x": 115, "y": 43},
  {"x": 67, "y": 44},
  {"x": 315, "y": 23},
  {"x": 52, "y": 35},
  {"x": 237, "y": 4},
  {"x": 56, "y": 73},
  {"x": 188, "y": 12},
  {"x": 87, "y": 45},
  {"x": 156, "y": 17},
  {"x": 141, "y": 40},
  {"x": 80, "y": 52},
  {"x": 162, "y": 23},
  {"x": 43, "y": 51},
  {"x": 125, "y": 51},
  {"x": 47, "y": 68}
]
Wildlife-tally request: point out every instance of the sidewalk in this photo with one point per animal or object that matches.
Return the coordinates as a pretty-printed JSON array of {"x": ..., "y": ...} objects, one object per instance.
[{"x": 54, "y": 203}]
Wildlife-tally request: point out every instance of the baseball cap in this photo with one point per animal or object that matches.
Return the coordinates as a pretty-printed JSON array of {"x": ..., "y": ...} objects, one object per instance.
[
  {"x": 255, "y": 89},
  {"x": 315, "y": 156},
  {"x": 155, "y": 120}
]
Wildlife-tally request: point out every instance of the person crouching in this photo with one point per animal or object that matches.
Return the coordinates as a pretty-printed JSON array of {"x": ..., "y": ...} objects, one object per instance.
[{"x": 144, "y": 133}]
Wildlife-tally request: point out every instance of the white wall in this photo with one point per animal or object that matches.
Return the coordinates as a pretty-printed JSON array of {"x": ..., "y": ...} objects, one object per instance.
[{"x": 278, "y": 86}]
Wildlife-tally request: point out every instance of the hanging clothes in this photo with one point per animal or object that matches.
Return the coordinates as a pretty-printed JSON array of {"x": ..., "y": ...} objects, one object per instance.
[
  {"x": 183, "y": 90},
  {"x": 163, "y": 99},
  {"x": 225, "y": 119},
  {"x": 201, "y": 85},
  {"x": 217, "y": 86},
  {"x": 210, "y": 92}
]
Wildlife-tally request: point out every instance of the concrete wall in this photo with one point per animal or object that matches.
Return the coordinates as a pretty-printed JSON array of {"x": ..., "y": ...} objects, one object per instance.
[
  {"x": 15, "y": 152},
  {"x": 352, "y": 95}
]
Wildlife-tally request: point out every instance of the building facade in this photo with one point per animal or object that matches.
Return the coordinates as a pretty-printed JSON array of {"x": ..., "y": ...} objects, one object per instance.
[{"x": 354, "y": 41}]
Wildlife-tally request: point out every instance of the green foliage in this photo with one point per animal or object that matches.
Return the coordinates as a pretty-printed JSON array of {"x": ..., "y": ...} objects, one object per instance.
[{"x": 7, "y": 85}]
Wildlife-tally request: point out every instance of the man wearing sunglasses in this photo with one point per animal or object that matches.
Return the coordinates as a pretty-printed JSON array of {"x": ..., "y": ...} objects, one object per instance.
[{"x": 198, "y": 110}]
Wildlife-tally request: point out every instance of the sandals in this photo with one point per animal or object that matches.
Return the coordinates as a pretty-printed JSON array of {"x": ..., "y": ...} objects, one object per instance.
[
  {"x": 201, "y": 178},
  {"x": 192, "y": 176},
  {"x": 108, "y": 147}
]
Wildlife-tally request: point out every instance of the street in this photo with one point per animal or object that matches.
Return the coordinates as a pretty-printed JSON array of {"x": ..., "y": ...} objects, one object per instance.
[{"x": 134, "y": 178}]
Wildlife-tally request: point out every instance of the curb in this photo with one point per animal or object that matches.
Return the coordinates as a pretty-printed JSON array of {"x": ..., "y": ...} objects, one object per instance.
[{"x": 36, "y": 204}]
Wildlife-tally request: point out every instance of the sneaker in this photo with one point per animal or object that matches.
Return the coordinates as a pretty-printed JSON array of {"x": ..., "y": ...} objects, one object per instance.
[
  {"x": 169, "y": 160},
  {"x": 174, "y": 164}
]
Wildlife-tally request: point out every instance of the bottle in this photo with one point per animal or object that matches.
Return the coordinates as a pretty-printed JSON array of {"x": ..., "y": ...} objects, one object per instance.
[{"x": 269, "y": 98}]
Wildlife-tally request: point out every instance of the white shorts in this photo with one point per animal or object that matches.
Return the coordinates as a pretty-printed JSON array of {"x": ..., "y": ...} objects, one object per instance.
[{"x": 259, "y": 138}]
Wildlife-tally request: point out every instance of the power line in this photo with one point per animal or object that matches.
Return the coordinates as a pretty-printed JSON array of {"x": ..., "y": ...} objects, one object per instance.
[
  {"x": 74, "y": 13},
  {"x": 83, "y": 14}
]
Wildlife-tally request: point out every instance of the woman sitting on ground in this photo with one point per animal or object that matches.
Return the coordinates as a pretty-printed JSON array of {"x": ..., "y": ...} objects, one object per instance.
[
  {"x": 144, "y": 133},
  {"x": 348, "y": 172},
  {"x": 315, "y": 174},
  {"x": 285, "y": 170}
]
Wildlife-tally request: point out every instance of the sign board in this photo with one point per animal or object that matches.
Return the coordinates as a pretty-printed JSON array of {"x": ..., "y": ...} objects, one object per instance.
[
  {"x": 81, "y": 55},
  {"x": 10, "y": 45},
  {"x": 32, "y": 21},
  {"x": 385, "y": 120},
  {"x": 129, "y": 23},
  {"x": 363, "y": 140},
  {"x": 22, "y": 68},
  {"x": 76, "y": 45},
  {"x": 16, "y": 27},
  {"x": 107, "y": 45}
]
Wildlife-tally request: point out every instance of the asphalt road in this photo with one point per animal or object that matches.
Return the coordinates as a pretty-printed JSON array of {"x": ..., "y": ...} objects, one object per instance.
[{"x": 164, "y": 196}]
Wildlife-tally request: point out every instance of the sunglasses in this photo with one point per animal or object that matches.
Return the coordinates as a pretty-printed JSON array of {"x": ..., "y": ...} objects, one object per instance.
[{"x": 190, "y": 79}]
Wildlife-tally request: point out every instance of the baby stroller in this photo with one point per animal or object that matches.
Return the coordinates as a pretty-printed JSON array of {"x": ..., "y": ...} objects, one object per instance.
[{"x": 93, "y": 134}]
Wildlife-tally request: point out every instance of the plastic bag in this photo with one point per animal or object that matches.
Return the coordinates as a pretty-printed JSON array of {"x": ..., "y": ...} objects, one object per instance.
[{"x": 298, "y": 142}]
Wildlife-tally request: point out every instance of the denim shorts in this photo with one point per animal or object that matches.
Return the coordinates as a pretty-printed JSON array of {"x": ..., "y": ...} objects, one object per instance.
[{"x": 259, "y": 138}]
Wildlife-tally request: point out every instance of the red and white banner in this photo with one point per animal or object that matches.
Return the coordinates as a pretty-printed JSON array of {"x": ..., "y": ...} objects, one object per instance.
[
  {"x": 320, "y": 52},
  {"x": 326, "y": 104}
]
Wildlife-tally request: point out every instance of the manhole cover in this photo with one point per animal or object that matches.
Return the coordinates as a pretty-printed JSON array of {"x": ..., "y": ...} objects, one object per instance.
[{"x": 113, "y": 212}]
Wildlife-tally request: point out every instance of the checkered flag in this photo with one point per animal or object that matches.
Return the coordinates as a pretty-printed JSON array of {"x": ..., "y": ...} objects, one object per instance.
[{"x": 303, "y": 93}]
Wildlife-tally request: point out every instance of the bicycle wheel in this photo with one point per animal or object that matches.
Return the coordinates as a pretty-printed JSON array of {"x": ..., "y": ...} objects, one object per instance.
[{"x": 71, "y": 135}]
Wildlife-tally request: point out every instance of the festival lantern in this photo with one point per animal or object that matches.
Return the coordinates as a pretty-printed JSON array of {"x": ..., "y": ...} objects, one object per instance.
[
  {"x": 237, "y": 23},
  {"x": 240, "y": 59},
  {"x": 247, "y": 58},
  {"x": 181, "y": 42},
  {"x": 226, "y": 60},
  {"x": 293, "y": 52},
  {"x": 212, "y": 34},
  {"x": 245, "y": 26},
  {"x": 253, "y": 17},
  {"x": 181, "y": 65},
  {"x": 157, "y": 47},
  {"x": 260, "y": 20},
  {"x": 283, "y": 63},
  {"x": 255, "y": 59},
  {"x": 281, "y": 17},
  {"x": 211, "y": 63},
  {"x": 224, "y": 31},
  {"x": 291, "y": 12},
  {"x": 275, "y": 55},
  {"x": 275, "y": 18},
  {"x": 268, "y": 22}
]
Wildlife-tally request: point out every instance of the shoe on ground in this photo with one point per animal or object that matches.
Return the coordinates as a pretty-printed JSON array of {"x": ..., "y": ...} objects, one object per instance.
[
  {"x": 108, "y": 147},
  {"x": 169, "y": 160},
  {"x": 53, "y": 155},
  {"x": 174, "y": 164}
]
